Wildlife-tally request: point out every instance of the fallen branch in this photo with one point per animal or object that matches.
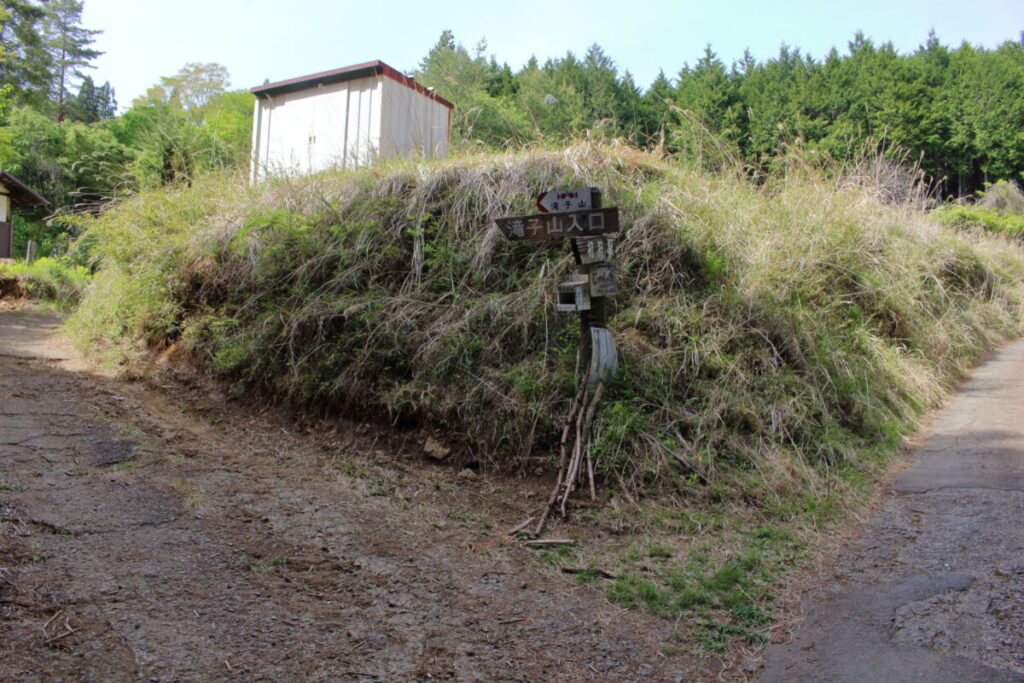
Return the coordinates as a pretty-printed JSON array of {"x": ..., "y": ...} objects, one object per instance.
[
  {"x": 62, "y": 635},
  {"x": 52, "y": 619},
  {"x": 550, "y": 541},
  {"x": 519, "y": 527},
  {"x": 577, "y": 401}
]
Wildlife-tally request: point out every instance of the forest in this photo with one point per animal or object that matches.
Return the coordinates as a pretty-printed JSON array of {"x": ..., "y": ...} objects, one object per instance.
[{"x": 955, "y": 114}]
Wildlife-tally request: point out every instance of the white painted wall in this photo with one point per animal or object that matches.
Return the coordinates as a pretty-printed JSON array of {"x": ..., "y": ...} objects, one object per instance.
[
  {"x": 5, "y": 206},
  {"x": 412, "y": 124},
  {"x": 312, "y": 130},
  {"x": 345, "y": 124}
]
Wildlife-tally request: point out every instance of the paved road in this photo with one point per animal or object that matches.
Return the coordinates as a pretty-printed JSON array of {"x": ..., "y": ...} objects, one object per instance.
[{"x": 934, "y": 590}]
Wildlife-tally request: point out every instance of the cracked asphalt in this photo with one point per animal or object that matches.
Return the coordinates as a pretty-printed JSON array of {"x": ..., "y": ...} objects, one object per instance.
[{"x": 933, "y": 589}]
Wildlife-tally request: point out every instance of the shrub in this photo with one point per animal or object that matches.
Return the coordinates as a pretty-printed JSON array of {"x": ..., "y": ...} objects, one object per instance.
[
  {"x": 768, "y": 335},
  {"x": 49, "y": 279}
]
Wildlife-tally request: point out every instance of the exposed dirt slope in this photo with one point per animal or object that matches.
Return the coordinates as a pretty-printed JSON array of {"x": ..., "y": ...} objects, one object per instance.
[{"x": 169, "y": 537}]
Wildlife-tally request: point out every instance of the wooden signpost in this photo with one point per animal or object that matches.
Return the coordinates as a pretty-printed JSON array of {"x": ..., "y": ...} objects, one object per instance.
[{"x": 577, "y": 214}]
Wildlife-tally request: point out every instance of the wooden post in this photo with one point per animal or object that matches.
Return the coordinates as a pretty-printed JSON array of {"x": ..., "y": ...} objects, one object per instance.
[{"x": 597, "y": 315}]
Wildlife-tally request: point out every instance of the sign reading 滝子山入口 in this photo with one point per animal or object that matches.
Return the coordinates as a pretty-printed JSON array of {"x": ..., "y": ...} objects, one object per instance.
[
  {"x": 543, "y": 226},
  {"x": 560, "y": 201}
]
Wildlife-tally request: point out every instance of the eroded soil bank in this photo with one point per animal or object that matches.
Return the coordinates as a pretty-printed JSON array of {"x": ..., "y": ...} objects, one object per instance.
[{"x": 172, "y": 536}]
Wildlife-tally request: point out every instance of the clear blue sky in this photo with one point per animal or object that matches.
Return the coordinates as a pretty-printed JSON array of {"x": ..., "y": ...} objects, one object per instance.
[{"x": 258, "y": 39}]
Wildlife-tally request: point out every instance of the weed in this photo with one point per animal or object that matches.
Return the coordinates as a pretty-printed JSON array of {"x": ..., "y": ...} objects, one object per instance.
[
  {"x": 769, "y": 336},
  {"x": 472, "y": 518},
  {"x": 352, "y": 469},
  {"x": 54, "y": 281},
  {"x": 728, "y": 586}
]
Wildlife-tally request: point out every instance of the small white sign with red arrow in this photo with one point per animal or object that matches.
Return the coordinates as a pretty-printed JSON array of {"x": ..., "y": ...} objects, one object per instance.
[{"x": 558, "y": 201}]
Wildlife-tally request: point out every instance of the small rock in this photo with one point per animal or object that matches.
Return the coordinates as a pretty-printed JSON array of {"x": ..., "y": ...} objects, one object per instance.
[{"x": 435, "y": 450}]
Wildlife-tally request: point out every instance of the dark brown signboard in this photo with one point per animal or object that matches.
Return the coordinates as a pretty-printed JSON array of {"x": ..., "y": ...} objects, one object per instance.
[{"x": 552, "y": 226}]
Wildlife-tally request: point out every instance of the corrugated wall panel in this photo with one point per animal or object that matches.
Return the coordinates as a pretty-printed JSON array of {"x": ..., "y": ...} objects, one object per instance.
[
  {"x": 345, "y": 124},
  {"x": 412, "y": 123}
]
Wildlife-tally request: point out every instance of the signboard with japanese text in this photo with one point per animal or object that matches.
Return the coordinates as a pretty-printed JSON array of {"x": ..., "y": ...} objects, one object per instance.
[
  {"x": 545, "y": 226},
  {"x": 560, "y": 201},
  {"x": 602, "y": 280},
  {"x": 589, "y": 250}
]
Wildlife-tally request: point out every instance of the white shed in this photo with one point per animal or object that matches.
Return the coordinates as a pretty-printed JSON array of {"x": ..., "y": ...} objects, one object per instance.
[{"x": 345, "y": 117}]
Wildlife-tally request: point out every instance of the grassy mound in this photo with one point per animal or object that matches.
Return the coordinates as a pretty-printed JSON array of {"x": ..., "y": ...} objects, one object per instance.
[
  {"x": 46, "y": 279},
  {"x": 769, "y": 336}
]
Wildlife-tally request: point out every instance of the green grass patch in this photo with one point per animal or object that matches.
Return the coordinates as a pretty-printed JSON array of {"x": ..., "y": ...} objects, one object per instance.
[
  {"x": 56, "y": 281},
  {"x": 724, "y": 592},
  {"x": 982, "y": 218}
]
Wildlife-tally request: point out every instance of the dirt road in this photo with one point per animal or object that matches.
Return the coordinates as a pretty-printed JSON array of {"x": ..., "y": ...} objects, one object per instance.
[
  {"x": 934, "y": 588},
  {"x": 174, "y": 536}
]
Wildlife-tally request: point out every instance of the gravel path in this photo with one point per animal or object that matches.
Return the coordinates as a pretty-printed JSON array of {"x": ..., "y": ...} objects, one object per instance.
[
  {"x": 141, "y": 542},
  {"x": 934, "y": 588}
]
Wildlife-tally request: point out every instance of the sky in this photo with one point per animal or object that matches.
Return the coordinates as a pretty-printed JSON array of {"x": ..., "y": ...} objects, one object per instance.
[{"x": 272, "y": 39}]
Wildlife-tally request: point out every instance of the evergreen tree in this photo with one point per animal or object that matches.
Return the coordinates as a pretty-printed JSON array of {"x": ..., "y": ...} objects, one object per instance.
[
  {"x": 92, "y": 103},
  {"x": 24, "y": 61},
  {"x": 464, "y": 79},
  {"x": 68, "y": 44},
  {"x": 655, "y": 108}
]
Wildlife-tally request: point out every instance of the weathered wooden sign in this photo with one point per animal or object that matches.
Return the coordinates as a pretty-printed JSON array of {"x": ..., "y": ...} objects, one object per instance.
[
  {"x": 560, "y": 201},
  {"x": 573, "y": 296},
  {"x": 546, "y": 226},
  {"x": 577, "y": 214},
  {"x": 589, "y": 250},
  {"x": 602, "y": 280}
]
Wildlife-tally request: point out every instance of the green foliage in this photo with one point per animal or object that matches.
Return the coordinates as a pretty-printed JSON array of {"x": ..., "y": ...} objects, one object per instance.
[
  {"x": 981, "y": 218},
  {"x": 190, "y": 90},
  {"x": 771, "y": 338},
  {"x": 47, "y": 279},
  {"x": 953, "y": 111},
  {"x": 1000, "y": 209},
  {"x": 729, "y": 596},
  {"x": 69, "y": 163}
]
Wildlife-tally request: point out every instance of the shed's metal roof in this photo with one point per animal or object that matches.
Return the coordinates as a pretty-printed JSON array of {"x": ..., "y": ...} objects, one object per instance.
[
  {"x": 21, "y": 196},
  {"x": 347, "y": 73}
]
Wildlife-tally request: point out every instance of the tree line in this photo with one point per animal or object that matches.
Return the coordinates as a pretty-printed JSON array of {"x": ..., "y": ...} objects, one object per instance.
[
  {"x": 958, "y": 112},
  {"x": 60, "y": 131}
]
